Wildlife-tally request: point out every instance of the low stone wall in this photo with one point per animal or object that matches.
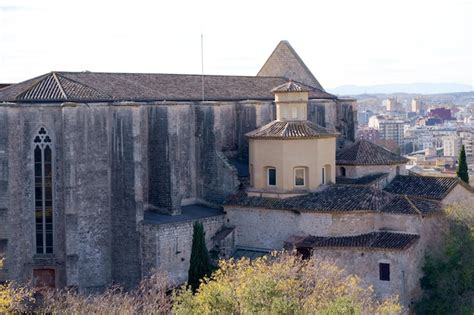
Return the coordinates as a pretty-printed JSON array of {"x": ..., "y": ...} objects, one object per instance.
[{"x": 167, "y": 247}]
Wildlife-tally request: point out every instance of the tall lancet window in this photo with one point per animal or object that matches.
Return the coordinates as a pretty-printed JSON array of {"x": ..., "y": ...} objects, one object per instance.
[{"x": 43, "y": 192}]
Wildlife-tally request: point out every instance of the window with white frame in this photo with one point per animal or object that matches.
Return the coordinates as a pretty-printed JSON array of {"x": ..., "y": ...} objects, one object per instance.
[
  {"x": 300, "y": 176},
  {"x": 271, "y": 176}
]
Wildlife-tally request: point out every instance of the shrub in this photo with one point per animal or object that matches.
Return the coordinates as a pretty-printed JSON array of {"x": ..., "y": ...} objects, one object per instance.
[
  {"x": 149, "y": 298},
  {"x": 281, "y": 284}
]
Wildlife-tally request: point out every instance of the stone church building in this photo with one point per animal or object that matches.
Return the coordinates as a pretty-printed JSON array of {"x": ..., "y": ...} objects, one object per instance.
[{"x": 102, "y": 176}]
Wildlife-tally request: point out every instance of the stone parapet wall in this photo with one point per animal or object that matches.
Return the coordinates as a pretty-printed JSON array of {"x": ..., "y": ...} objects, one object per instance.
[{"x": 167, "y": 247}]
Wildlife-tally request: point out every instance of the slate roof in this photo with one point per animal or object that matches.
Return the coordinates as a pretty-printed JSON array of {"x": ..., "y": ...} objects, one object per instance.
[
  {"x": 291, "y": 129},
  {"x": 364, "y": 152},
  {"x": 341, "y": 198},
  {"x": 422, "y": 186},
  {"x": 374, "y": 240},
  {"x": 116, "y": 87},
  {"x": 364, "y": 180}
]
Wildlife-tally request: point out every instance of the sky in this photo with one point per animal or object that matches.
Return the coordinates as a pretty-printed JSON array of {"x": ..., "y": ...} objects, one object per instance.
[{"x": 359, "y": 42}]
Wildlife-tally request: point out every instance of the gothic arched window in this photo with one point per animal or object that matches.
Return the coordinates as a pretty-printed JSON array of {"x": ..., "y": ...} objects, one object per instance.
[{"x": 43, "y": 192}]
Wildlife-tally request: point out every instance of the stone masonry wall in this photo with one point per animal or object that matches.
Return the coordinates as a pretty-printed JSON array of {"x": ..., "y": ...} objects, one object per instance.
[
  {"x": 124, "y": 233},
  {"x": 88, "y": 194},
  {"x": 17, "y": 199},
  {"x": 167, "y": 247},
  {"x": 269, "y": 229},
  {"x": 405, "y": 269}
]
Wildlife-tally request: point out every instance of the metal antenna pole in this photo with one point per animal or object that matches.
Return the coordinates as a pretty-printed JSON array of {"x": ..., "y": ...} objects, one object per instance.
[{"x": 202, "y": 66}]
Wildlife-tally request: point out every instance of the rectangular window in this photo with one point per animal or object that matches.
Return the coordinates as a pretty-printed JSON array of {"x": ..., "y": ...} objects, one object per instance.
[
  {"x": 323, "y": 176},
  {"x": 271, "y": 176},
  {"x": 384, "y": 272},
  {"x": 299, "y": 176}
]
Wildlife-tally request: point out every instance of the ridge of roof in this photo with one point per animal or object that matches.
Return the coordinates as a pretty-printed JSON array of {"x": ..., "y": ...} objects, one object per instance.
[{"x": 364, "y": 152}]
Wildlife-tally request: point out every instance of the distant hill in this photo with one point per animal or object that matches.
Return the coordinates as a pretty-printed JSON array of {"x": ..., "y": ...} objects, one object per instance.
[{"x": 412, "y": 88}]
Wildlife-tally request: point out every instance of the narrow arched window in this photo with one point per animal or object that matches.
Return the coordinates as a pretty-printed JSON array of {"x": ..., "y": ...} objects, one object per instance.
[
  {"x": 43, "y": 192},
  {"x": 397, "y": 170}
]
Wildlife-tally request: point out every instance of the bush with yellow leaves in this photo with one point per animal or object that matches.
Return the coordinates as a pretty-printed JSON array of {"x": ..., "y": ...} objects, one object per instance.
[
  {"x": 13, "y": 299},
  {"x": 281, "y": 283}
]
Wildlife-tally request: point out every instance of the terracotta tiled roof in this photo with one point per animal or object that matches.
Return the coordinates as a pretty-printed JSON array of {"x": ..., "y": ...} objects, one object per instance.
[
  {"x": 364, "y": 180},
  {"x": 291, "y": 129},
  {"x": 364, "y": 152},
  {"x": 374, "y": 240},
  {"x": 116, "y": 87},
  {"x": 422, "y": 186},
  {"x": 340, "y": 198},
  {"x": 291, "y": 86}
]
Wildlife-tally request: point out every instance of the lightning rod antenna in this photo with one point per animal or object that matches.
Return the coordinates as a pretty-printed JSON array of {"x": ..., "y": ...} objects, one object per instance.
[{"x": 202, "y": 66}]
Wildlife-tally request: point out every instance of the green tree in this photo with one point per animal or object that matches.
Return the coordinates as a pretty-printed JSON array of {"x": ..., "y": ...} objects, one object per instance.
[
  {"x": 200, "y": 264},
  {"x": 462, "y": 171},
  {"x": 448, "y": 281}
]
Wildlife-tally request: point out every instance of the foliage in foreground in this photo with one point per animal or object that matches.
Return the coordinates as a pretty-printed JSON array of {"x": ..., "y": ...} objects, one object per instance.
[
  {"x": 200, "y": 263},
  {"x": 281, "y": 284},
  {"x": 448, "y": 281},
  {"x": 149, "y": 298},
  {"x": 13, "y": 298}
]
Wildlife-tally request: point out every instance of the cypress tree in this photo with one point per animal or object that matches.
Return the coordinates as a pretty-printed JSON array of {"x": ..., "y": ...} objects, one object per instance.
[
  {"x": 200, "y": 264},
  {"x": 462, "y": 171}
]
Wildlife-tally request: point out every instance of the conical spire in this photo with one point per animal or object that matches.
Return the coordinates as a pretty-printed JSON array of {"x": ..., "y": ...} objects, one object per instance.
[{"x": 285, "y": 62}]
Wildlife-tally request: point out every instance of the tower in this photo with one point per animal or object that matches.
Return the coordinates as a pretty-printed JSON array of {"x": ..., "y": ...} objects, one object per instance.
[{"x": 290, "y": 155}]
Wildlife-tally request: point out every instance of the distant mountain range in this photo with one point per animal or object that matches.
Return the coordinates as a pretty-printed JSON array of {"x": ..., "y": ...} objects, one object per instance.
[{"x": 412, "y": 88}]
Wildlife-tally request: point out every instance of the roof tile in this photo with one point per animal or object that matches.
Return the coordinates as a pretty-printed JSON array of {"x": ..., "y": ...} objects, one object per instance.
[
  {"x": 374, "y": 240},
  {"x": 291, "y": 129},
  {"x": 364, "y": 152},
  {"x": 341, "y": 198},
  {"x": 115, "y": 87},
  {"x": 422, "y": 186}
]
